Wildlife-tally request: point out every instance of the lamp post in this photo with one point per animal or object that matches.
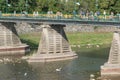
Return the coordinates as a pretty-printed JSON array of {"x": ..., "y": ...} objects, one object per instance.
[
  {"x": 6, "y": 5},
  {"x": 26, "y": 5}
]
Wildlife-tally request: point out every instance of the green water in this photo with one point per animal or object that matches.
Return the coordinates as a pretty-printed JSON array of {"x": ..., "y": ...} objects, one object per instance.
[{"x": 88, "y": 62}]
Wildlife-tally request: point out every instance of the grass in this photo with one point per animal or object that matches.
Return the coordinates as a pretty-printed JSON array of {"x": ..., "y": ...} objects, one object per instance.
[
  {"x": 89, "y": 38},
  {"x": 32, "y": 39},
  {"x": 75, "y": 38}
]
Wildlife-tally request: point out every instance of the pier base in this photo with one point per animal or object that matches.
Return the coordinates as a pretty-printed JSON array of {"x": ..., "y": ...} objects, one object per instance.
[
  {"x": 10, "y": 43},
  {"x": 112, "y": 67},
  {"x": 53, "y": 45}
]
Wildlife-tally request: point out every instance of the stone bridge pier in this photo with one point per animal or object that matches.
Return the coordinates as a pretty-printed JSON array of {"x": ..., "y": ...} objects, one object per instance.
[
  {"x": 10, "y": 43},
  {"x": 112, "y": 66},
  {"x": 53, "y": 45}
]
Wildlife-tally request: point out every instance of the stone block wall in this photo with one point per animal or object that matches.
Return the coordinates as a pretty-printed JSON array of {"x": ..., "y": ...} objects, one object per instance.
[{"x": 29, "y": 27}]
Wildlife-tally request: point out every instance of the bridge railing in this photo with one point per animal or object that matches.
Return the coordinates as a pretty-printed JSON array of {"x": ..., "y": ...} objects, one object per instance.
[{"x": 115, "y": 18}]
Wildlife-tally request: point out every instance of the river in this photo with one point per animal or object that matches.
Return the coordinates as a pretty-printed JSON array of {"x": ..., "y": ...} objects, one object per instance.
[{"x": 88, "y": 62}]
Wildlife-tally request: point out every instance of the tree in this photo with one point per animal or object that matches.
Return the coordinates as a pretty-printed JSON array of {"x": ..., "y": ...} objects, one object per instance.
[
  {"x": 65, "y": 6},
  {"x": 108, "y": 4},
  {"x": 116, "y": 6},
  {"x": 2, "y": 5}
]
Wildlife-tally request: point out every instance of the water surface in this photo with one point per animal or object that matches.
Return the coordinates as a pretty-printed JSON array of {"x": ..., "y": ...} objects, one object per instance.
[{"x": 88, "y": 62}]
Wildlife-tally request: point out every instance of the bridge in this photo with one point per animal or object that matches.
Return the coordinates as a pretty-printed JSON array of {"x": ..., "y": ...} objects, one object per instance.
[
  {"x": 54, "y": 44},
  {"x": 64, "y": 21}
]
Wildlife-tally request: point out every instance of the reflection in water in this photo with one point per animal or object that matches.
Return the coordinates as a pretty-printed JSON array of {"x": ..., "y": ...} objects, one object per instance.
[{"x": 88, "y": 62}]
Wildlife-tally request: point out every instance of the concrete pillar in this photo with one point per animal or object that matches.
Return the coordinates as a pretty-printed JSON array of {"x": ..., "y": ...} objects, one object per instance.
[
  {"x": 112, "y": 66},
  {"x": 10, "y": 43},
  {"x": 53, "y": 45}
]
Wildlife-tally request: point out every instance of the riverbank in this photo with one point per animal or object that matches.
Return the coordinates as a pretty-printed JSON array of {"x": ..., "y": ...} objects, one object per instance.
[
  {"x": 76, "y": 39},
  {"x": 90, "y": 39}
]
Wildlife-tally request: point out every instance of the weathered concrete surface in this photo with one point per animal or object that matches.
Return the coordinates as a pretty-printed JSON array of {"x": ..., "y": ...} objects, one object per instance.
[
  {"x": 23, "y": 27},
  {"x": 53, "y": 45},
  {"x": 112, "y": 67},
  {"x": 10, "y": 43}
]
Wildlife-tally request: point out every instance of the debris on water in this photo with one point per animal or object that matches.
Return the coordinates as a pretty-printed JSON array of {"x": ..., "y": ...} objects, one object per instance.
[
  {"x": 7, "y": 60},
  {"x": 25, "y": 57},
  {"x": 1, "y": 60},
  {"x": 58, "y": 69},
  {"x": 92, "y": 77},
  {"x": 25, "y": 74}
]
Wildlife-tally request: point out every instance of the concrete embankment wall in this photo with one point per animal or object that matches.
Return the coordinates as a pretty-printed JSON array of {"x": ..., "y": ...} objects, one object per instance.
[{"x": 29, "y": 27}]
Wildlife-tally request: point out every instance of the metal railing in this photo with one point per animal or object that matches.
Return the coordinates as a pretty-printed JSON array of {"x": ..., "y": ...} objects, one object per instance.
[{"x": 109, "y": 18}]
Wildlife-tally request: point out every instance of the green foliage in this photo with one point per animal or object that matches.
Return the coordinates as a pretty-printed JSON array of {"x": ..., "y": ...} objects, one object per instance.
[
  {"x": 116, "y": 6},
  {"x": 65, "y": 6}
]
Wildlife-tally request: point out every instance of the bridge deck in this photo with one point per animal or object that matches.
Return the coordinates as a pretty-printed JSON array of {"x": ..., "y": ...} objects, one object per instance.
[{"x": 58, "y": 21}]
